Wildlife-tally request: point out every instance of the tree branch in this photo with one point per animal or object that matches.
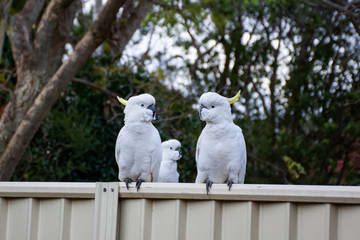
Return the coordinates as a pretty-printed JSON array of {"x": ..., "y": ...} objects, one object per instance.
[
  {"x": 125, "y": 27},
  {"x": 31, "y": 12},
  {"x": 53, "y": 22},
  {"x": 20, "y": 31},
  {"x": 95, "y": 86}
]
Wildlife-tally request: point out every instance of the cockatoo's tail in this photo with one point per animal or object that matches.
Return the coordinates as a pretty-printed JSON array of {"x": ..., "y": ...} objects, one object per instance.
[
  {"x": 122, "y": 101},
  {"x": 235, "y": 98}
]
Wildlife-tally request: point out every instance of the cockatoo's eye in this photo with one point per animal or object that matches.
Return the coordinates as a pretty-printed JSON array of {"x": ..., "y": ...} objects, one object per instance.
[
  {"x": 142, "y": 104},
  {"x": 171, "y": 148},
  {"x": 213, "y": 106}
]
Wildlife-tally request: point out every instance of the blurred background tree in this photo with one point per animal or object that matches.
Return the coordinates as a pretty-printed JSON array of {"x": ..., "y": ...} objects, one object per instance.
[{"x": 296, "y": 62}]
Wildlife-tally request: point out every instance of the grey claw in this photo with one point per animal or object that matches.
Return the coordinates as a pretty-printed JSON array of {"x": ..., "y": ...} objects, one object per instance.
[
  {"x": 229, "y": 183},
  {"x": 138, "y": 183},
  {"x": 127, "y": 181},
  {"x": 208, "y": 185}
]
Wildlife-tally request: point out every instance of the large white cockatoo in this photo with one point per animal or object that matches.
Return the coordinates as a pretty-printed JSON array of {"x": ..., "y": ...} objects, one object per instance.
[
  {"x": 220, "y": 151},
  {"x": 138, "y": 150},
  {"x": 171, "y": 153}
]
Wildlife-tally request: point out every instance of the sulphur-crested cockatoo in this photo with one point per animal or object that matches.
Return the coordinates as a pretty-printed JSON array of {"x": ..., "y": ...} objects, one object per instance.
[
  {"x": 220, "y": 151},
  {"x": 138, "y": 146},
  {"x": 171, "y": 153}
]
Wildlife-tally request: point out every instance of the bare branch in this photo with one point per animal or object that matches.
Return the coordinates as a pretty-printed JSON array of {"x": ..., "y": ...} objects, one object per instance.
[
  {"x": 125, "y": 27},
  {"x": 173, "y": 118},
  {"x": 350, "y": 104},
  {"x": 336, "y": 6},
  {"x": 95, "y": 86}
]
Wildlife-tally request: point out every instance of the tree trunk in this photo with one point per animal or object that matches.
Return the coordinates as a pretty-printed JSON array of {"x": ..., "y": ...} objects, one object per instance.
[
  {"x": 19, "y": 34},
  {"x": 52, "y": 83}
]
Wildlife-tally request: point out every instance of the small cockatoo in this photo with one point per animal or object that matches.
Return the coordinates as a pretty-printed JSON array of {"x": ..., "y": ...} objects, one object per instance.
[
  {"x": 171, "y": 153},
  {"x": 220, "y": 151},
  {"x": 138, "y": 150}
]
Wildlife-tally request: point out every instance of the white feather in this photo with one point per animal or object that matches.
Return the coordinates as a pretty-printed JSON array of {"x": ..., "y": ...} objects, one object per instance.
[
  {"x": 168, "y": 167},
  {"x": 220, "y": 151},
  {"x": 138, "y": 146}
]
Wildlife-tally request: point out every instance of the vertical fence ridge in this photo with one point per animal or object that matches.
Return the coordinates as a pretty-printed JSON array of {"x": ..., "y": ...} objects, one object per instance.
[
  {"x": 332, "y": 216},
  {"x": 217, "y": 211},
  {"x": 33, "y": 219},
  {"x": 253, "y": 220},
  {"x": 293, "y": 217},
  {"x": 181, "y": 207},
  {"x": 65, "y": 219},
  {"x": 146, "y": 219}
]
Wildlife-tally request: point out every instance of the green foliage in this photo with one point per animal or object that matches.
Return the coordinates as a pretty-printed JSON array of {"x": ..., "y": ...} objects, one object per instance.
[
  {"x": 294, "y": 168},
  {"x": 298, "y": 109}
]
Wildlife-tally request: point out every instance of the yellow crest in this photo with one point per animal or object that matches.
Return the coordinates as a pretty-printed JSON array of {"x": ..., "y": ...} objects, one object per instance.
[
  {"x": 122, "y": 101},
  {"x": 235, "y": 98}
]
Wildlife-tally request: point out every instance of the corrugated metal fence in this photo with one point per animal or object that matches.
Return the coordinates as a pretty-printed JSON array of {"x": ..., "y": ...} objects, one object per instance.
[{"x": 181, "y": 211}]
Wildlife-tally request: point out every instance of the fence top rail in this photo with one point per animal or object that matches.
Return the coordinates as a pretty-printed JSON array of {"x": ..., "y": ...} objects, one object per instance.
[
  {"x": 47, "y": 189},
  {"x": 191, "y": 191},
  {"x": 246, "y": 192}
]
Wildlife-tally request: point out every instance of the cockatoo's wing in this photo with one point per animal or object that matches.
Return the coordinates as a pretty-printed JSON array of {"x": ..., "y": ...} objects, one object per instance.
[
  {"x": 123, "y": 160},
  {"x": 198, "y": 149},
  {"x": 242, "y": 154},
  {"x": 117, "y": 147},
  {"x": 201, "y": 176},
  {"x": 156, "y": 157}
]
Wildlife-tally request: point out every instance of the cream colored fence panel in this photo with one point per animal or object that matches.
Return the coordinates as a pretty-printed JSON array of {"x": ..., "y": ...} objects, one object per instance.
[
  {"x": 168, "y": 219},
  {"x": 348, "y": 222},
  {"x": 22, "y": 219},
  {"x": 43, "y": 211},
  {"x": 135, "y": 219},
  {"x": 82, "y": 219},
  {"x": 239, "y": 220},
  {"x": 276, "y": 221},
  {"x": 53, "y": 219},
  {"x": 203, "y": 220},
  {"x": 109, "y": 211}
]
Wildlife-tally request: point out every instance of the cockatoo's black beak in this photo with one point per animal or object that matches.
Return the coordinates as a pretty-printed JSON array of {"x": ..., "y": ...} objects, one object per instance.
[
  {"x": 179, "y": 150},
  {"x": 201, "y": 108},
  {"x": 152, "y": 108}
]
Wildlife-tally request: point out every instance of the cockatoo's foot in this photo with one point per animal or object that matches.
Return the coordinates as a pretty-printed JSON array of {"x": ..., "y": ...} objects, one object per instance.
[
  {"x": 138, "y": 183},
  {"x": 208, "y": 185},
  {"x": 229, "y": 183},
  {"x": 127, "y": 181}
]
